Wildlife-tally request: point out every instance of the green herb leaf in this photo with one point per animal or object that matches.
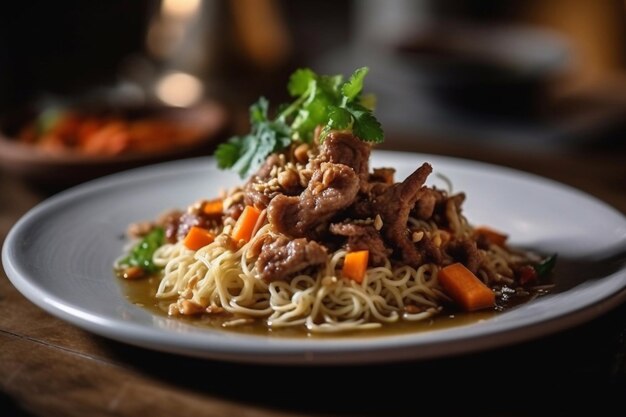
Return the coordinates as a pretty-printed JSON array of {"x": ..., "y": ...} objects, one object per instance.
[
  {"x": 247, "y": 151},
  {"x": 253, "y": 149},
  {"x": 141, "y": 254},
  {"x": 321, "y": 100},
  {"x": 299, "y": 81},
  {"x": 339, "y": 118},
  {"x": 546, "y": 265},
  {"x": 228, "y": 153},
  {"x": 353, "y": 87},
  {"x": 330, "y": 84},
  {"x": 258, "y": 111},
  {"x": 365, "y": 125}
]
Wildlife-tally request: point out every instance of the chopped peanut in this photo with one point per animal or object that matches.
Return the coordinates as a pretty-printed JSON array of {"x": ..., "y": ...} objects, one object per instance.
[
  {"x": 301, "y": 153},
  {"x": 378, "y": 222},
  {"x": 189, "y": 308},
  {"x": 417, "y": 236}
]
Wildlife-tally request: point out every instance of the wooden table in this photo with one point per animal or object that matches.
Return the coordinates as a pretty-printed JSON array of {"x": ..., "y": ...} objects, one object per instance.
[{"x": 51, "y": 368}]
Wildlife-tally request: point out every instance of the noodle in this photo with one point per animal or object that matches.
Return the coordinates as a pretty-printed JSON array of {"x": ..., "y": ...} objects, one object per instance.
[
  {"x": 289, "y": 271},
  {"x": 315, "y": 239},
  {"x": 320, "y": 300}
]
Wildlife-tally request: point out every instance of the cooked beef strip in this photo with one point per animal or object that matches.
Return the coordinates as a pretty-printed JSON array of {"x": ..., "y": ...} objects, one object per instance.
[
  {"x": 464, "y": 250},
  {"x": 363, "y": 237},
  {"x": 393, "y": 206},
  {"x": 332, "y": 188},
  {"x": 344, "y": 148},
  {"x": 437, "y": 205},
  {"x": 281, "y": 257},
  {"x": 261, "y": 198},
  {"x": 234, "y": 210},
  {"x": 384, "y": 175},
  {"x": 177, "y": 224},
  {"x": 170, "y": 222},
  {"x": 429, "y": 250},
  {"x": 451, "y": 207},
  {"x": 425, "y": 207},
  {"x": 264, "y": 172}
]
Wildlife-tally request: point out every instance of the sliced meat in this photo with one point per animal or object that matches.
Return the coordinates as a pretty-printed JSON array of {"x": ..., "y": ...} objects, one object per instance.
[
  {"x": 362, "y": 237},
  {"x": 394, "y": 205},
  {"x": 332, "y": 188},
  {"x": 384, "y": 175},
  {"x": 264, "y": 173},
  {"x": 256, "y": 191},
  {"x": 436, "y": 205},
  {"x": 428, "y": 250},
  {"x": 177, "y": 224},
  {"x": 452, "y": 211},
  {"x": 171, "y": 223},
  {"x": 344, "y": 148},
  {"x": 466, "y": 252},
  {"x": 234, "y": 210},
  {"x": 429, "y": 200},
  {"x": 281, "y": 257}
]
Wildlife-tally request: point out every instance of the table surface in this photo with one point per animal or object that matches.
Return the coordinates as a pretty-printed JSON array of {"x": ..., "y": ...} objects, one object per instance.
[{"x": 51, "y": 368}]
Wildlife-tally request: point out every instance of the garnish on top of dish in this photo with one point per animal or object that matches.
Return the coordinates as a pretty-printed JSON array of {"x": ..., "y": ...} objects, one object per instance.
[{"x": 317, "y": 239}]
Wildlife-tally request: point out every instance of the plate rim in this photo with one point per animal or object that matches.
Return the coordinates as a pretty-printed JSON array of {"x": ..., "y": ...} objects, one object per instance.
[{"x": 297, "y": 350}]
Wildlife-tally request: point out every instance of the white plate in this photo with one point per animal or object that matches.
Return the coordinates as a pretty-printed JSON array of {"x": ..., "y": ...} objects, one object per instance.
[{"x": 60, "y": 256}]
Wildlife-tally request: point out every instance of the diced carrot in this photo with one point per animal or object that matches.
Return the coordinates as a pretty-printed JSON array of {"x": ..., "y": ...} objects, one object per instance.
[
  {"x": 213, "y": 207},
  {"x": 492, "y": 236},
  {"x": 245, "y": 224},
  {"x": 355, "y": 265},
  {"x": 197, "y": 237},
  {"x": 465, "y": 288}
]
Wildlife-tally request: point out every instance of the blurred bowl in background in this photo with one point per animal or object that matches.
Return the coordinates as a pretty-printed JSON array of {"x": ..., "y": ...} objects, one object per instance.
[
  {"x": 64, "y": 144},
  {"x": 486, "y": 69}
]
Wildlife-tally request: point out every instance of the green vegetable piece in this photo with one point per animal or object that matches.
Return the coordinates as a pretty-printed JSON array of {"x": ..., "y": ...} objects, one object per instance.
[
  {"x": 299, "y": 81},
  {"x": 321, "y": 100},
  {"x": 339, "y": 118},
  {"x": 227, "y": 153},
  {"x": 546, "y": 265},
  {"x": 366, "y": 127},
  {"x": 141, "y": 254},
  {"x": 258, "y": 111},
  {"x": 330, "y": 84},
  {"x": 245, "y": 154},
  {"x": 353, "y": 87}
]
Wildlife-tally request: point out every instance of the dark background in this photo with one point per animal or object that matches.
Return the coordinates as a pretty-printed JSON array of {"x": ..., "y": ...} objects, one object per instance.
[{"x": 539, "y": 75}]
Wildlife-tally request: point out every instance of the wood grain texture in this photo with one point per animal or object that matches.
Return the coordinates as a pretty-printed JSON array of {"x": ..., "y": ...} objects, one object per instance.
[{"x": 52, "y": 381}]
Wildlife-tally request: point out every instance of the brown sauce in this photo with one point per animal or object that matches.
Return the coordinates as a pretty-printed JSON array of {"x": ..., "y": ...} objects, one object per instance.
[{"x": 141, "y": 293}]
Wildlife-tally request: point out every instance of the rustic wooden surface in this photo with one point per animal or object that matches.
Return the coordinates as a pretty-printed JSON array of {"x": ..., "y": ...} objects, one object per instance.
[{"x": 50, "y": 368}]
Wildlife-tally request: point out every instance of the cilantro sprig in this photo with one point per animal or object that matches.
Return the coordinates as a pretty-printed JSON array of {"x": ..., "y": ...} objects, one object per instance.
[
  {"x": 319, "y": 100},
  {"x": 141, "y": 254}
]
